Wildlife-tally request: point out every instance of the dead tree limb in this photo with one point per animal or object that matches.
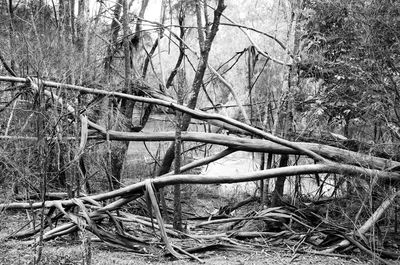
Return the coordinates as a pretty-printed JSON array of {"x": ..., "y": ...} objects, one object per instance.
[
  {"x": 128, "y": 193},
  {"x": 235, "y": 143},
  {"x": 377, "y": 214},
  {"x": 191, "y": 112},
  {"x": 259, "y": 145},
  {"x": 367, "y": 225}
]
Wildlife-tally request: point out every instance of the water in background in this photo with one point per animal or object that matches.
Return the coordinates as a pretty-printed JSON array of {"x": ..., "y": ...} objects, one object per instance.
[{"x": 141, "y": 160}]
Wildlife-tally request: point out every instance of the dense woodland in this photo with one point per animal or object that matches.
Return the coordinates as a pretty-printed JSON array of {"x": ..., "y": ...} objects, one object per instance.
[{"x": 309, "y": 88}]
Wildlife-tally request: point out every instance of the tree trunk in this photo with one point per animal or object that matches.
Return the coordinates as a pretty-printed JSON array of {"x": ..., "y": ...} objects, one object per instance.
[
  {"x": 264, "y": 200},
  {"x": 178, "y": 143},
  {"x": 115, "y": 28},
  {"x": 67, "y": 24},
  {"x": 262, "y": 184},
  {"x": 119, "y": 150},
  {"x": 205, "y": 47},
  {"x": 81, "y": 26},
  {"x": 285, "y": 118},
  {"x": 279, "y": 184},
  {"x": 11, "y": 35}
]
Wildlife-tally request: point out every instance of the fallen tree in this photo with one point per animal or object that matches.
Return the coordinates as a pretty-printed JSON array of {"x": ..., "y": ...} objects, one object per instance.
[
  {"x": 244, "y": 144},
  {"x": 194, "y": 113},
  {"x": 91, "y": 212},
  {"x": 276, "y": 144},
  {"x": 259, "y": 145},
  {"x": 138, "y": 188}
]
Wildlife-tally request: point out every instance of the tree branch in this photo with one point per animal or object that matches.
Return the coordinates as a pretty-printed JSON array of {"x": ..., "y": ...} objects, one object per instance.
[{"x": 133, "y": 190}]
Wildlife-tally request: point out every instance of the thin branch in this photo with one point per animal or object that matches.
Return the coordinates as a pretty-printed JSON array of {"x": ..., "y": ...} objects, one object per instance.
[
  {"x": 171, "y": 77},
  {"x": 261, "y": 32},
  {"x": 207, "y": 45},
  {"x": 204, "y": 161},
  {"x": 255, "y": 44}
]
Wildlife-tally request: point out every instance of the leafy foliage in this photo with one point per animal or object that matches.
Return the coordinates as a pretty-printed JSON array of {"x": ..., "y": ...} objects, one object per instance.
[{"x": 353, "y": 47}]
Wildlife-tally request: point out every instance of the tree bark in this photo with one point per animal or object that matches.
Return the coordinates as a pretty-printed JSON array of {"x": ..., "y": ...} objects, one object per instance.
[
  {"x": 264, "y": 199},
  {"x": 177, "y": 223},
  {"x": 82, "y": 28},
  {"x": 261, "y": 183},
  {"x": 279, "y": 184},
  {"x": 115, "y": 28},
  {"x": 119, "y": 150}
]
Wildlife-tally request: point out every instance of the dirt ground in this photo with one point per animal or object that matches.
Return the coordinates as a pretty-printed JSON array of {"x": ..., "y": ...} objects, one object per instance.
[
  {"x": 66, "y": 252},
  {"x": 13, "y": 252}
]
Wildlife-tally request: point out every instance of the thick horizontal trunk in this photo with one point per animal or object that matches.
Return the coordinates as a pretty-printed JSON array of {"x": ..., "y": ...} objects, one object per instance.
[
  {"x": 134, "y": 190},
  {"x": 246, "y": 144},
  {"x": 194, "y": 113},
  {"x": 262, "y": 146}
]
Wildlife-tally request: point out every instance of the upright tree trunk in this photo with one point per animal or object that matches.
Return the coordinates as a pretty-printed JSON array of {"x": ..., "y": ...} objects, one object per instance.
[
  {"x": 127, "y": 106},
  {"x": 178, "y": 143},
  {"x": 262, "y": 182},
  {"x": 11, "y": 34},
  {"x": 115, "y": 28},
  {"x": 284, "y": 122},
  {"x": 82, "y": 28},
  {"x": 42, "y": 160},
  {"x": 279, "y": 184},
  {"x": 264, "y": 196},
  {"x": 66, "y": 15},
  {"x": 119, "y": 150}
]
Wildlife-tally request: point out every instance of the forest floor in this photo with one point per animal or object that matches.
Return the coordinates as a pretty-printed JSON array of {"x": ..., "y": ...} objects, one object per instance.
[
  {"x": 66, "y": 251},
  {"x": 199, "y": 199}
]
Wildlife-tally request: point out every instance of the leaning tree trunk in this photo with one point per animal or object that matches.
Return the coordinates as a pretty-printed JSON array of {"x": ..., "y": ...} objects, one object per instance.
[{"x": 205, "y": 47}]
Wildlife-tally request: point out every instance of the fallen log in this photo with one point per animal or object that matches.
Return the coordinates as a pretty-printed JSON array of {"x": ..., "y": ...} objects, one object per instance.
[
  {"x": 194, "y": 113},
  {"x": 133, "y": 191},
  {"x": 251, "y": 145},
  {"x": 258, "y": 145}
]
